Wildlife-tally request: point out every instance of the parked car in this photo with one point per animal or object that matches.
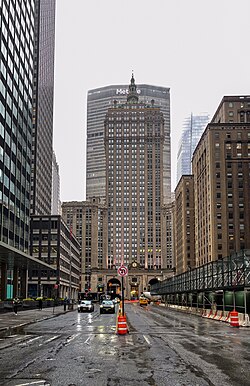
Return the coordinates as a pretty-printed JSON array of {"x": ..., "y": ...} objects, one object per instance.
[
  {"x": 85, "y": 306},
  {"x": 107, "y": 306}
]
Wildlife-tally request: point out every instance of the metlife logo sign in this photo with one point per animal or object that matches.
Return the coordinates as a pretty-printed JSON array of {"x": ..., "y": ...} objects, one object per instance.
[{"x": 124, "y": 91}]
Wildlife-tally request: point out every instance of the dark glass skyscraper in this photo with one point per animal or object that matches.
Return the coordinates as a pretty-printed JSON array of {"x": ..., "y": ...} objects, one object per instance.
[
  {"x": 16, "y": 68},
  {"x": 42, "y": 145},
  {"x": 27, "y": 53}
]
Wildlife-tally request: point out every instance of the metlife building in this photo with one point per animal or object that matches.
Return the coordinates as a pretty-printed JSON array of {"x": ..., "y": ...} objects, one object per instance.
[{"x": 98, "y": 102}]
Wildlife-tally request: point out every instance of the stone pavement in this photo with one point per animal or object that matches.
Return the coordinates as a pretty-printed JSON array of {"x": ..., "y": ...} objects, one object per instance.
[{"x": 9, "y": 321}]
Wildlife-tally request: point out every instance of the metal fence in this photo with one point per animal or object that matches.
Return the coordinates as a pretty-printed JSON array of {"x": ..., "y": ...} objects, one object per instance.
[{"x": 232, "y": 272}]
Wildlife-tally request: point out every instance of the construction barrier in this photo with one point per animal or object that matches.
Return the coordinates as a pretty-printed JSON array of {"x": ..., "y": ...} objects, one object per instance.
[
  {"x": 214, "y": 316},
  {"x": 246, "y": 322},
  {"x": 207, "y": 313},
  {"x": 241, "y": 318},
  {"x": 234, "y": 319},
  {"x": 122, "y": 325},
  {"x": 226, "y": 317},
  {"x": 217, "y": 316}
]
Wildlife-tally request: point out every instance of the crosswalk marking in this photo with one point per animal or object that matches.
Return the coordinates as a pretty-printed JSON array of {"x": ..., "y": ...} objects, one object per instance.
[
  {"x": 147, "y": 340},
  {"x": 49, "y": 340},
  {"x": 31, "y": 383}
]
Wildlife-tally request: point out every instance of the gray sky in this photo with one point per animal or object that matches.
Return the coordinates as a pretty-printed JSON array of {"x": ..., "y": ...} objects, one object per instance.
[{"x": 200, "y": 49}]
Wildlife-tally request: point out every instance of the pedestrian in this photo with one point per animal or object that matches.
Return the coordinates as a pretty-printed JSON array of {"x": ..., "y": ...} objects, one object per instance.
[
  {"x": 65, "y": 301},
  {"x": 40, "y": 304},
  {"x": 16, "y": 301}
]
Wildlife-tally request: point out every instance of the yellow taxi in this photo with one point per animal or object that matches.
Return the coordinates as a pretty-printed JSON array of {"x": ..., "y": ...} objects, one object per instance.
[{"x": 143, "y": 301}]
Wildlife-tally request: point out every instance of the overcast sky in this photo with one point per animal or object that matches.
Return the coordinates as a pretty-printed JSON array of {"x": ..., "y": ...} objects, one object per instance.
[{"x": 198, "y": 48}]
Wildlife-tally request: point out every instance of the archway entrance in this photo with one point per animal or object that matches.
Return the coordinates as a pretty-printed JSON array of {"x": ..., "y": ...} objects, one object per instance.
[
  {"x": 151, "y": 282},
  {"x": 134, "y": 292},
  {"x": 114, "y": 288}
]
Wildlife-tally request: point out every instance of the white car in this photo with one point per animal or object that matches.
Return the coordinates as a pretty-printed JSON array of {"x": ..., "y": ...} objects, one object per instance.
[
  {"x": 85, "y": 306},
  {"x": 107, "y": 306}
]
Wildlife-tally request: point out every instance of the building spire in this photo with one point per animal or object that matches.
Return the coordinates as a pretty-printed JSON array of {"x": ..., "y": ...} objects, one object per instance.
[{"x": 132, "y": 93}]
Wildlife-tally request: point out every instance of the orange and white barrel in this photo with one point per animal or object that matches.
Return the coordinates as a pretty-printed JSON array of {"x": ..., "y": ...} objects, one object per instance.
[
  {"x": 122, "y": 325},
  {"x": 234, "y": 319}
]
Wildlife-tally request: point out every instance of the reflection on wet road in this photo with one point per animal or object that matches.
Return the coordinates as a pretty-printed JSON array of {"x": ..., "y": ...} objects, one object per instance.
[{"x": 163, "y": 347}]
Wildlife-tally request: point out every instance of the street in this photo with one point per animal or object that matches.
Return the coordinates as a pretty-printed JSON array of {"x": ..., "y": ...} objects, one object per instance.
[{"x": 163, "y": 347}]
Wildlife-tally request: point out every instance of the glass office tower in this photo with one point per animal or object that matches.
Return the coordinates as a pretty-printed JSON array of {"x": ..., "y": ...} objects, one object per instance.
[
  {"x": 99, "y": 100},
  {"x": 193, "y": 127},
  {"x": 43, "y": 97},
  {"x": 16, "y": 68}
]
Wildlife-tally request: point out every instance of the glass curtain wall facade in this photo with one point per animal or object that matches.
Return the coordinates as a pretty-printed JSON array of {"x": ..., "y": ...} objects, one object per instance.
[
  {"x": 42, "y": 145},
  {"x": 99, "y": 100},
  {"x": 193, "y": 127},
  {"x": 16, "y": 82}
]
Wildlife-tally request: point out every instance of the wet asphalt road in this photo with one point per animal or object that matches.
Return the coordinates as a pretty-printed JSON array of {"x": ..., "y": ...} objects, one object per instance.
[{"x": 163, "y": 347}]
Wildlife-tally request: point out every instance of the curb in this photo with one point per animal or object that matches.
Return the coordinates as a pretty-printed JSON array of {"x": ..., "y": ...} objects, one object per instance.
[{"x": 11, "y": 328}]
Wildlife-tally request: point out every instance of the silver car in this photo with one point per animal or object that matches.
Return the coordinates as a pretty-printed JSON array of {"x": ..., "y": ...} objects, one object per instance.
[
  {"x": 107, "y": 306},
  {"x": 85, "y": 306}
]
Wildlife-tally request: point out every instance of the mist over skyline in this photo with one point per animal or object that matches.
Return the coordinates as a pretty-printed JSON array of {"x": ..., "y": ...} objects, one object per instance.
[{"x": 198, "y": 50}]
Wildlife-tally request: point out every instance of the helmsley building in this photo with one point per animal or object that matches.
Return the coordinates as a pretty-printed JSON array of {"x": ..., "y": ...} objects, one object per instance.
[{"x": 130, "y": 225}]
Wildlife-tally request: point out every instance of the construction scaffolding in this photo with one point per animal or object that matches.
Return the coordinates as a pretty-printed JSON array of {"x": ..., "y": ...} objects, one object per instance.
[{"x": 211, "y": 283}]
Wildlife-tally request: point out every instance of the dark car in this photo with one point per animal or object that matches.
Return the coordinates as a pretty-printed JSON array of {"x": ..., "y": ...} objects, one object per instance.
[
  {"x": 85, "y": 306},
  {"x": 107, "y": 306}
]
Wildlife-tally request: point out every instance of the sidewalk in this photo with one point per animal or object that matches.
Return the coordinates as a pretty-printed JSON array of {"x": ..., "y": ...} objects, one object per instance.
[{"x": 9, "y": 321}]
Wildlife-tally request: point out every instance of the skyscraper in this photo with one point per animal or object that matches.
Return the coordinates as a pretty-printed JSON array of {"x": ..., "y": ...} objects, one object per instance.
[
  {"x": 55, "y": 199},
  {"x": 17, "y": 34},
  {"x": 99, "y": 100},
  {"x": 43, "y": 95},
  {"x": 17, "y": 45},
  {"x": 222, "y": 182},
  {"x": 134, "y": 148},
  {"x": 193, "y": 127}
]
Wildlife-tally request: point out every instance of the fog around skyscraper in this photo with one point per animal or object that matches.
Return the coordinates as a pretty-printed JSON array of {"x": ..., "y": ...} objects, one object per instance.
[
  {"x": 185, "y": 46},
  {"x": 193, "y": 127}
]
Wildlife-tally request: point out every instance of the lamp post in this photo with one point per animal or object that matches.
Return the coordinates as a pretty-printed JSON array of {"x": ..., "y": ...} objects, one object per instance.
[
  {"x": 70, "y": 272},
  {"x": 88, "y": 273}
]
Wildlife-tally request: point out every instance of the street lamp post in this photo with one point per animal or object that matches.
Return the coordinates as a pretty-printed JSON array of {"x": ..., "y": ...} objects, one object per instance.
[
  {"x": 88, "y": 273},
  {"x": 70, "y": 272}
]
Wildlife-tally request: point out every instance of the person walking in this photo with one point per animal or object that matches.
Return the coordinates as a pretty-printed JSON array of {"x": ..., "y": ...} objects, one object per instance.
[
  {"x": 40, "y": 304},
  {"x": 16, "y": 301},
  {"x": 65, "y": 301}
]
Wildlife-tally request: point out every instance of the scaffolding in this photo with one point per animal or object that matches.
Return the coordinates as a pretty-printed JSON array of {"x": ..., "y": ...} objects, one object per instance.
[{"x": 229, "y": 273}]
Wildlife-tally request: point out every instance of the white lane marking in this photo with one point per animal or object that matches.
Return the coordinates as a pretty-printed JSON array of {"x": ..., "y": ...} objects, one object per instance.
[
  {"x": 129, "y": 340},
  {"x": 30, "y": 341},
  {"x": 49, "y": 340},
  {"x": 87, "y": 340},
  {"x": 147, "y": 340},
  {"x": 31, "y": 383},
  {"x": 72, "y": 337}
]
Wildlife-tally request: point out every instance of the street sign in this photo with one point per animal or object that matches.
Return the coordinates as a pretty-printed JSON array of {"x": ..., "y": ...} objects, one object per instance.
[{"x": 122, "y": 271}]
